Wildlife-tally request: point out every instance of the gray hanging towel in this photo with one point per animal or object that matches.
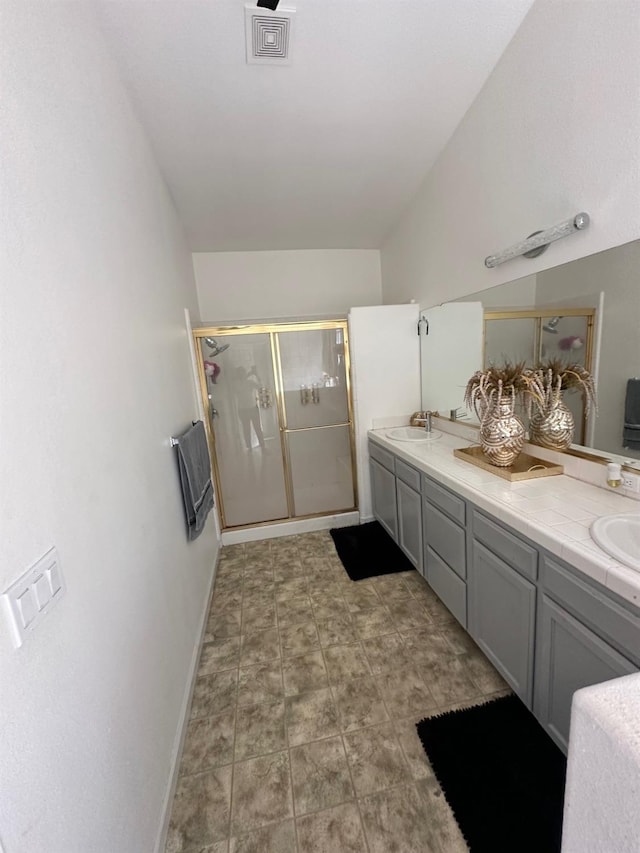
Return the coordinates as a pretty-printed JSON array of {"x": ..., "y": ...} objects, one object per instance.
[
  {"x": 631, "y": 431},
  {"x": 195, "y": 477}
]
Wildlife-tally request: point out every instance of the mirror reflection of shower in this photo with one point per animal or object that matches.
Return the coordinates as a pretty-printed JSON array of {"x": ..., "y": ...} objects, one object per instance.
[
  {"x": 572, "y": 338},
  {"x": 215, "y": 348}
]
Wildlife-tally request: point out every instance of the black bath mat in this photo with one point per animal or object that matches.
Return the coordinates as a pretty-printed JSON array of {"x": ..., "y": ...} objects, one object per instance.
[
  {"x": 501, "y": 774},
  {"x": 367, "y": 550}
]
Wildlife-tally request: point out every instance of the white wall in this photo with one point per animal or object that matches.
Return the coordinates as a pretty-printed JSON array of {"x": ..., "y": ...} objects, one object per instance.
[
  {"x": 385, "y": 364},
  {"x": 554, "y": 131},
  {"x": 304, "y": 283},
  {"x": 95, "y": 378}
]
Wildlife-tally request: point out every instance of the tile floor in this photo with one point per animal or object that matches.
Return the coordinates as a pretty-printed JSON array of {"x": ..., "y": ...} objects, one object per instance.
[{"x": 302, "y": 733}]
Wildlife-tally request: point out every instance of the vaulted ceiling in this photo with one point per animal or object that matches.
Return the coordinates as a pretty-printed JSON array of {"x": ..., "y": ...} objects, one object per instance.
[{"x": 325, "y": 152}]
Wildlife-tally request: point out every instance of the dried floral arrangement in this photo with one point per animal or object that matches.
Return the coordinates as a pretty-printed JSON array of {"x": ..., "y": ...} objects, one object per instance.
[
  {"x": 552, "y": 377},
  {"x": 501, "y": 384}
]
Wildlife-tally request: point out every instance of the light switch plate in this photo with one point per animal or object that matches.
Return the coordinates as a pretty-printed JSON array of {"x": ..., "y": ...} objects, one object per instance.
[{"x": 32, "y": 595}]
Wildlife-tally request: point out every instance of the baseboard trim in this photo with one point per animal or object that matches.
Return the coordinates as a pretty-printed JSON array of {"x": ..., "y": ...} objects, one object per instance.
[
  {"x": 290, "y": 528},
  {"x": 181, "y": 732}
]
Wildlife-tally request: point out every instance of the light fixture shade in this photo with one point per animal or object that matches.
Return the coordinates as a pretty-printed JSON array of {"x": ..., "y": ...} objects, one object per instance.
[{"x": 537, "y": 242}]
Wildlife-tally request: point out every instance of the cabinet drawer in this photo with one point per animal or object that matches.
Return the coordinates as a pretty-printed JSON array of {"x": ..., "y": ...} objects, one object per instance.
[
  {"x": 408, "y": 474},
  {"x": 446, "y": 538},
  {"x": 382, "y": 456},
  {"x": 446, "y": 585},
  {"x": 444, "y": 500},
  {"x": 609, "y": 619},
  {"x": 520, "y": 556}
]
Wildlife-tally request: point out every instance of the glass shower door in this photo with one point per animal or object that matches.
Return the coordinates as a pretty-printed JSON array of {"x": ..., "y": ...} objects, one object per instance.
[
  {"x": 316, "y": 419},
  {"x": 243, "y": 419},
  {"x": 511, "y": 339}
]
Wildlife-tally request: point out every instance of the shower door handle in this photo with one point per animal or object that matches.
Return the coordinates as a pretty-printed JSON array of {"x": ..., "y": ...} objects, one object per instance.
[{"x": 265, "y": 398}]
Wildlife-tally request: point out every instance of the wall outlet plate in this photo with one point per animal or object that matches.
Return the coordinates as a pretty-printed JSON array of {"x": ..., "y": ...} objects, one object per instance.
[
  {"x": 630, "y": 482},
  {"x": 32, "y": 595}
]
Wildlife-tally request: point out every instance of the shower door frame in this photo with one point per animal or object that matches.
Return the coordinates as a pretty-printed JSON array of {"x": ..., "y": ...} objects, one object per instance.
[{"x": 273, "y": 329}]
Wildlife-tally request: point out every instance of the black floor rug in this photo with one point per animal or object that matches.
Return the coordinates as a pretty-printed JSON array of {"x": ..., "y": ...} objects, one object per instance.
[
  {"x": 501, "y": 774},
  {"x": 367, "y": 550}
]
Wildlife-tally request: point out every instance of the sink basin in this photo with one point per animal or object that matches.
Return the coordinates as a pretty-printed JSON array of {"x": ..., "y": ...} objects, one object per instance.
[
  {"x": 408, "y": 433},
  {"x": 619, "y": 536}
]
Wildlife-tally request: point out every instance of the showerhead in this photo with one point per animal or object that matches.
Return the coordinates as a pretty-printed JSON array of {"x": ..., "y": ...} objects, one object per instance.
[
  {"x": 215, "y": 349},
  {"x": 551, "y": 326}
]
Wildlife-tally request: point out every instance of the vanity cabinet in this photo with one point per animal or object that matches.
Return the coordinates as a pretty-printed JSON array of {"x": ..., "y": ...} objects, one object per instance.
[
  {"x": 584, "y": 637},
  {"x": 396, "y": 500},
  {"x": 383, "y": 489},
  {"x": 501, "y": 601},
  {"x": 445, "y": 553},
  {"x": 410, "y": 522},
  {"x": 502, "y": 610},
  {"x": 546, "y": 627},
  {"x": 569, "y": 656}
]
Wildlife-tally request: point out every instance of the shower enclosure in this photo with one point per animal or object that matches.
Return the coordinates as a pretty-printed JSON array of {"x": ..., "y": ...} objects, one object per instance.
[{"x": 279, "y": 420}]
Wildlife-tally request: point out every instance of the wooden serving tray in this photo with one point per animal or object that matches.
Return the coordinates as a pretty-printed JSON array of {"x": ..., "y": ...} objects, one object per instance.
[{"x": 524, "y": 468}]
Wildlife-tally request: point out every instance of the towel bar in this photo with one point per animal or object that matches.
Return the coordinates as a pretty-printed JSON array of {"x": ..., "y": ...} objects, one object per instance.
[{"x": 175, "y": 441}]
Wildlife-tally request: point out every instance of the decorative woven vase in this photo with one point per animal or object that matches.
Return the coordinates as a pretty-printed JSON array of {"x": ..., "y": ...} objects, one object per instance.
[
  {"x": 501, "y": 434},
  {"x": 552, "y": 427}
]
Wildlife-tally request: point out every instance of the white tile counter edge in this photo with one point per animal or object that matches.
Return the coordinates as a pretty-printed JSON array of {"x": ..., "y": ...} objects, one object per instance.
[{"x": 555, "y": 512}]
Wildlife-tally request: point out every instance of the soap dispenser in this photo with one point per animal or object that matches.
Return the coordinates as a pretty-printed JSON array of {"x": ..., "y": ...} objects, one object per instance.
[{"x": 614, "y": 475}]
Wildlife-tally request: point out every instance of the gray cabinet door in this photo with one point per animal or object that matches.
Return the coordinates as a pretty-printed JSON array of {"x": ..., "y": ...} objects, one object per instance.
[
  {"x": 501, "y": 618},
  {"x": 568, "y": 656},
  {"x": 410, "y": 523},
  {"x": 383, "y": 494}
]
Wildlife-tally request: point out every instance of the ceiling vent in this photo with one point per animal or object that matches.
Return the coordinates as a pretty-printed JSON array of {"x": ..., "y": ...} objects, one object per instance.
[{"x": 268, "y": 36}]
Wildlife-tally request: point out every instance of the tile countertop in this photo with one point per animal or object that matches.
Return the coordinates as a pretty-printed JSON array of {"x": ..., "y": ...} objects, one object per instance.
[{"x": 554, "y": 512}]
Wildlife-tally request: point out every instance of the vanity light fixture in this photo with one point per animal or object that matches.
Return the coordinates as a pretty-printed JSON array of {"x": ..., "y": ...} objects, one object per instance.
[{"x": 538, "y": 242}]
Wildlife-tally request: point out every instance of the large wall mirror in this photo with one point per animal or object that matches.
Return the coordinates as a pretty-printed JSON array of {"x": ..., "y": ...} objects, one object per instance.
[{"x": 605, "y": 336}]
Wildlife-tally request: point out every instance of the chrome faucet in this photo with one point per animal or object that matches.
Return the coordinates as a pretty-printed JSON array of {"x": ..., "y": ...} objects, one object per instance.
[{"x": 426, "y": 420}]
